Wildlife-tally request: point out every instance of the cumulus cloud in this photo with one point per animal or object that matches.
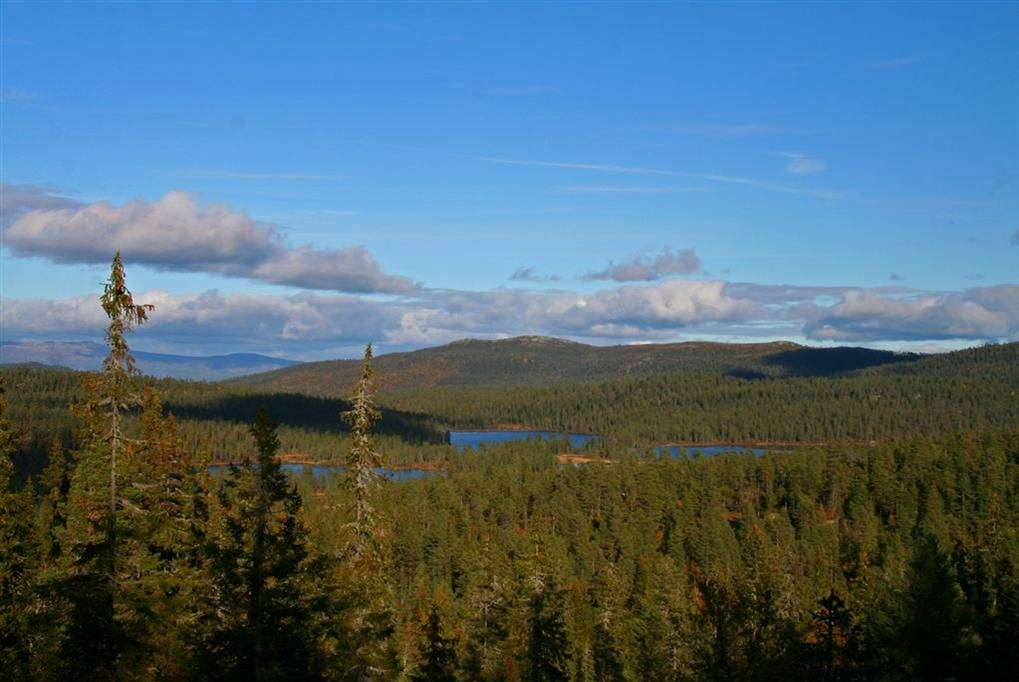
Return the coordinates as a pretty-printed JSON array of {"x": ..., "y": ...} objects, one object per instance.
[
  {"x": 526, "y": 274},
  {"x": 798, "y": 163},
  {"x": 644, "y": 269},
  {"x": 175, "y": 233},
  {"x": 975, "y": 314}
]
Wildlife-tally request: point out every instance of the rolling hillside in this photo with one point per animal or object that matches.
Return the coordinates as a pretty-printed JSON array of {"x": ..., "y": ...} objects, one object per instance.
[
  {"x": 539, "y": 361},
  {"x": 84, "y": 355}
]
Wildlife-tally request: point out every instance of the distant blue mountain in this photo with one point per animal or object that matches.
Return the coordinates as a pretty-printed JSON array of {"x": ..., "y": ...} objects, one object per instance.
[{"x": 86, "y": 355}]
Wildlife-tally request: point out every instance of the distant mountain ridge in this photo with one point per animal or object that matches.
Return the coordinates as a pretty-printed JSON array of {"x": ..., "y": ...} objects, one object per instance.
[
  {"x": 86, "y": 355},
  {"x": 539, "y": 360}
]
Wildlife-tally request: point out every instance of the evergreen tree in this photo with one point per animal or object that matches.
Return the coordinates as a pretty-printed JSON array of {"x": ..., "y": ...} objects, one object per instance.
[
  {"x": 51, "y": 512},
  {"x": 166, "y": 562},
  {"x": 438, "y": 659},
  {"x": 366, "y": 623},
  {"x": 103, "y": 615},
  {"x": 259, "y": 612},
  {"x": 118, "y": 368},
  {"x": 833, "y": 628},
  {"x": 15, "y": 553},
  {"x": 362, "y": 463},
  {"x": 931, "y": 637},
  {"x": 548, "y": 645}
]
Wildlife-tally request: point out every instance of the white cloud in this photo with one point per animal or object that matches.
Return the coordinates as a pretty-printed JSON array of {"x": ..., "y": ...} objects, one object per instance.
[
  {"x": 979, "y": 313},
  {"x": 175, "y": 233},
  {"x": 644, "y": 269}
]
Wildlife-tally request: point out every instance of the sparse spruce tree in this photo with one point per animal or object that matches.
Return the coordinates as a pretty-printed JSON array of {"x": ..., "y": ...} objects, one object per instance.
[
  {"x": 362, "y": 463},
  {"x": 118, "y": 367},
  {"x": 104, "y": 614},
  {"x": 366, "y": 622}
]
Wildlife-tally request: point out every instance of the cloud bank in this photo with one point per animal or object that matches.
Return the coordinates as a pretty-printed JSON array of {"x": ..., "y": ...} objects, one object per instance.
[
  {"x": 175, "y": 233},
  {"x": 627, "y": 313},
  {"x": 430, "y": 316}
]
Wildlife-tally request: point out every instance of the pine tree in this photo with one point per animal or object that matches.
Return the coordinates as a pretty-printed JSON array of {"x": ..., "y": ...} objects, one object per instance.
[
  {"x": 833, "y": 628},
  {"x": 118, "y": 366},
  {"x": 166, "y": 561},
  {"x": 548, "y": 644},
  {"x": 934, "y": 633},
  {"x": 438, "y": 652},
  {"x": 104, "y": 615},
  {"x": 51, "y": 513},
  {"x": 259, "y": 612},
  {"x": 365, "y": 625},
  {"x": 362, "y": 463}
]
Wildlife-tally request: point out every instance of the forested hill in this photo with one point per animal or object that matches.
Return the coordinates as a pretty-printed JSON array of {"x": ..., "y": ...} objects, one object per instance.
[
  {"x": 539, "y": 361},
  {"x": 977, "y": 388}
]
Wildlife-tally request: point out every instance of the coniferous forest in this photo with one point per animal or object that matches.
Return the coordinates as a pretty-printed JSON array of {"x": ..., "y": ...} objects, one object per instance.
[{"x": 877, "y": 540}]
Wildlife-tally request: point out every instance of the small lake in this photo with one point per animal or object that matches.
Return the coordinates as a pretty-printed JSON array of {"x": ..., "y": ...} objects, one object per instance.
[
  {"x": 707, "y": 450},
  {"x": 475, "y": 439},
  {"x": 319, "y": 471}
]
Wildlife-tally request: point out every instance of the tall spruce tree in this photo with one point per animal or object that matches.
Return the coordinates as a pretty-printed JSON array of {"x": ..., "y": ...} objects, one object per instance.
[
  {"x": 103, "y": 615},
  {"x": 118, "y": 366},
  {"x": 362, "y": 463},
  {"x": 366, "y": 623}
]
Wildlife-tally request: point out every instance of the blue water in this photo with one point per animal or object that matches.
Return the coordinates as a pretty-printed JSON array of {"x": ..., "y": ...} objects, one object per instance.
[
  {"x": 707, "y": 450},
  {"x": 475, "y": 439},
  {"x": 319, "y": 471}
]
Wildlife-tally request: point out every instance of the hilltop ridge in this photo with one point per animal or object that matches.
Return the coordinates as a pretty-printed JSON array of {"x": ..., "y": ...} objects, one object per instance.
[{"x": 541, "y": 360}]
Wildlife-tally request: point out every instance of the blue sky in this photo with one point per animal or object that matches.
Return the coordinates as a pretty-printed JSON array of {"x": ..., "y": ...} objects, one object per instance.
[{"x": 865, "y": 156}]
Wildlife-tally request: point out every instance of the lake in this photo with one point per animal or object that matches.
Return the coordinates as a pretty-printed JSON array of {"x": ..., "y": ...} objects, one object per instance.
[
  {"x": 707, "y": 450},
  {"x": 475, "y": 439}
]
